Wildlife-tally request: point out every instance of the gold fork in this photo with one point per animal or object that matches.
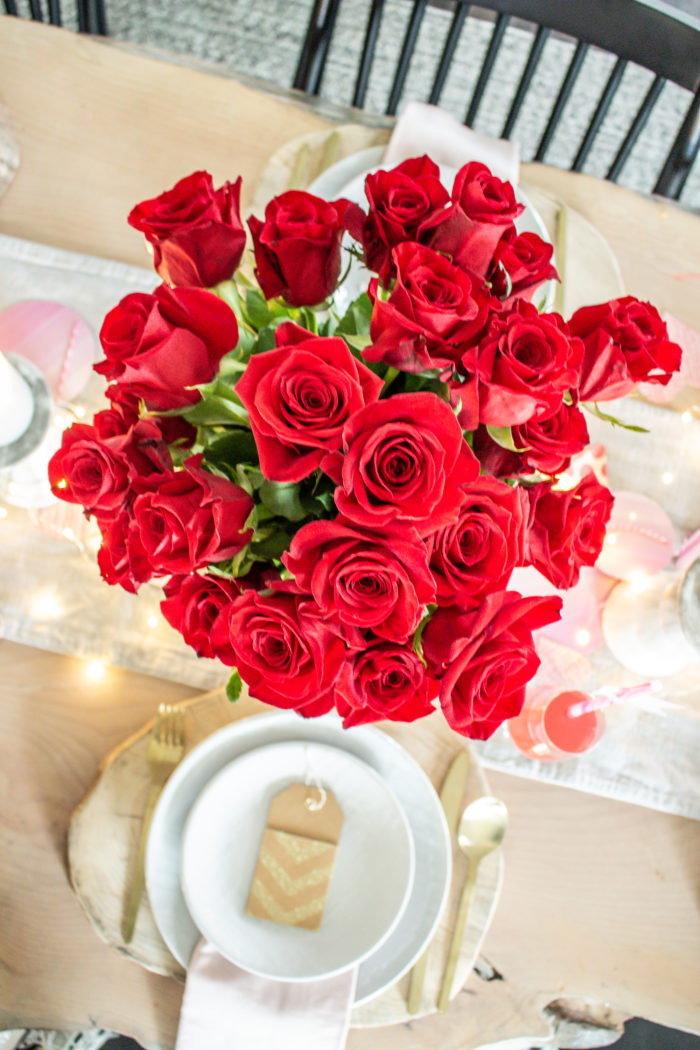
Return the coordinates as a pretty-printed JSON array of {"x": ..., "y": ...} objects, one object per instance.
[{"x": 166, "y": 748}]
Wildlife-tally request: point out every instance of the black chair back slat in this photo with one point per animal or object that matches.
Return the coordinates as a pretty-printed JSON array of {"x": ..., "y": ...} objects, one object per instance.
[
  {"x": 451, "y": 41},
  {"x": 35, "y": 10},
  {"x": 409, "y": 43},
  {"x": 368, "y": 49},
  {"x": 54, "y": 12},
  {"x": 562, "y": 98},
  {"x": 313, "y": 56},
  {"x": 600, "y": 113},
  {"x": 10, "y": 7},
  {"x": 533, "y": 58},
  {"x": 98, "y": 17},
  {"x": 635, "y": 129},
  {"x": 682, "y": 154},
  {"x": 655, "y": 35},
  {"x": 491, "y": 54}
]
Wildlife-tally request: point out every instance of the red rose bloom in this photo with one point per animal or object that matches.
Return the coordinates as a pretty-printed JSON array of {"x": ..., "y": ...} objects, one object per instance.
[
  {"x": 384, "y": 681},
  {"x": 404, "y": 460},
  {"x": 625, "y": 342},
  {"x": 190, "y": 518},
  {"x": 432, "y": 311},
  {"x": 283, "y": 650},
  {"x": 158, "y": 347},
  {"x": 299, "y": 397},
  {"x": 297, "y": 247},
  {"x": 96, "y": 465},
  {"x": 524, "y": 364},
  {"x": 567, "y": 528},
  {"x": 400, "y": 200},
  {"x": 544, "y": 443},
  {"x": 196, "y": 231},
  {"x": 121, "y": 558},
  {"x": 527, "y": 261},
  {"x": 363, "y": 580},
  {"x": 484, "y": 657},
  {"x": 192, "y": 605},
  {"x": 477, "y": 553},
  {"x": 483, "y": 210}
]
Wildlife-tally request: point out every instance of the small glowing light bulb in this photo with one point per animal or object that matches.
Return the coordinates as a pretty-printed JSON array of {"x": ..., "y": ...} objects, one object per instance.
[
  {"x": 69, "y": 534},
  {"x": 686, "y": 416},
  {"x": 46, "y": 606},
  {"x": 62, "y": 484},
  {"x": 611, "y": 538},
  {"x": 632, "y": 515},
  {"x": 152, "y": 621},
  {"x": 667, "y": 477},
  {"x": 79, "y": 411},
  {"x": 95, "y": 670},
  {"x": 582, "y": 637}
]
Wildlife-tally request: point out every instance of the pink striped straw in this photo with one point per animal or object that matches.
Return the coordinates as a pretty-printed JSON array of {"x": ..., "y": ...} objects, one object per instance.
[{"x": 645, "y": 695}]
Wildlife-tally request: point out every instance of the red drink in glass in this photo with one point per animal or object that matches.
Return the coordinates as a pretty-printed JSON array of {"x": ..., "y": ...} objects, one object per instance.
[{"x": 545, "y": 728}]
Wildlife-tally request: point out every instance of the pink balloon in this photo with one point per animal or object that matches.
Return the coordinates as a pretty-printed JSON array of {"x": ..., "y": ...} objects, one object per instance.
[
  {"x": 55, "y": 338},
  {"x": 639, "y": 538}
]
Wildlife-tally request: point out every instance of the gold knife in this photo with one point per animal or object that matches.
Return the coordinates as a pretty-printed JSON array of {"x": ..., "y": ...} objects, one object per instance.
[{"x": 451, "y": 796}]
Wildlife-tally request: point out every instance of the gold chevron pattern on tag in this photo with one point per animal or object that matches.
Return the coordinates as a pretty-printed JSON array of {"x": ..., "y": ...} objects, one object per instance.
[{"x": 291, "y": 880}]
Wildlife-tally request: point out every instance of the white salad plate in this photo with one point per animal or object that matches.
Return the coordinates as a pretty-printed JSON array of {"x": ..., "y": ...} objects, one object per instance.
[
  {"x": 372, "y": 873},
  {"x": 346, "y": 178},
  {"x": 411, "y": 786}
]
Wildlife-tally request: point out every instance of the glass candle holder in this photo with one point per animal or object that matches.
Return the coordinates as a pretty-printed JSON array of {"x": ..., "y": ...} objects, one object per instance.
[
  {"x": 652, "y": 626},
  {"x": 547, "y": 728}
]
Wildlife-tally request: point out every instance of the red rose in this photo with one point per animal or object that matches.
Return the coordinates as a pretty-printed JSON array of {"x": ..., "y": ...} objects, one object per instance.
[
  {"x": 545, "y": 444},
  {"x": 297, "y": 247},
  {"x": 363, "y": 580},
  {"x": 400, "y": 200},
  {"x": 299, "y": 397},
  {"x": 283, "y": 649},
  {"x": 404, "y": 460},
  {"x": 526, "y": 260},
  {"x": 121, "y": 557},
  {"x": 384, "y": 681},
  {"x": 567, "y": 528},
  {"x": 477, "y": 553},
  {"x": 484, "y": 658},
  {"x": 483, "y": 210},
  {"x": 192, "y": 605},
  {"x": 196, "y": 231},
  {"x": 96, "y": 465},
  {"x": 524, "y": 364},
  {"x": 158, "y": 347},
  {"x": 432, "y": 311},
  {"x": 190, "y": 518},
  {"x": 625, "y": 342}
]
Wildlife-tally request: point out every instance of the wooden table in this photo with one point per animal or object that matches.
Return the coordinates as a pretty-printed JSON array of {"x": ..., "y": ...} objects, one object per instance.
[{"x": 599, "y": 902}]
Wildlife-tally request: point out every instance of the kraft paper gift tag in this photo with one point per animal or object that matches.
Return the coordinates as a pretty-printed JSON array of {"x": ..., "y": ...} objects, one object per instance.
[{"x": 297, "y": 853}]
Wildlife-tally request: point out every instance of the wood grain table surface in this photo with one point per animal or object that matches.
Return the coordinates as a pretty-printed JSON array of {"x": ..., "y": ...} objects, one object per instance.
[{"x": 599, "y": 903}]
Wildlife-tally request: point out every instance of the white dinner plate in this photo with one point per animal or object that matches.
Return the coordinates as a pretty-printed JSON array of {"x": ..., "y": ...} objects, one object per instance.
[
  {"x": 346, "y": 178},
  {"x": 372, "y": 873},
  {"x": 413, "y": 789}
]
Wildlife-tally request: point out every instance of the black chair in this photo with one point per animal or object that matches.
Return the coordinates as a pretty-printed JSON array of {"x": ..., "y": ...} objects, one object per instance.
[
  {"x": 648, "y": 33},
  {"x": 91, "y": 14}
]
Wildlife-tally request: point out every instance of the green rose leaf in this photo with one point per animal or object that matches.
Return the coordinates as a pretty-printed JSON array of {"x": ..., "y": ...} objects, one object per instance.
[
  {"x": 283, "y": 499},
  {"x": 234, "y": 686}
]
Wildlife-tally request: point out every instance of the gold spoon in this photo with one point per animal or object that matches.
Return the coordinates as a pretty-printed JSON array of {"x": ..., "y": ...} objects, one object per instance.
[{"x": 481, "y": 829}]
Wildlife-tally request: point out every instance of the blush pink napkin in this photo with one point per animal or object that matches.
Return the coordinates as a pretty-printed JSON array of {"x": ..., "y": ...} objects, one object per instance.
[
  {"x": 428, "y": 129},
  {"x": 226, "y": 1008}
]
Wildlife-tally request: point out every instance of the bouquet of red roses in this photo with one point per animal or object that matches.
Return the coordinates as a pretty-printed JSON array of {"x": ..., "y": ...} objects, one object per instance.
[{"x": 337, "y": 497}]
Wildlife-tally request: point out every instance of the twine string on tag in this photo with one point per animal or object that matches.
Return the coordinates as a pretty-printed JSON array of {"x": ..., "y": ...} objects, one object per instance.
[{"x": 311, "y": 780}]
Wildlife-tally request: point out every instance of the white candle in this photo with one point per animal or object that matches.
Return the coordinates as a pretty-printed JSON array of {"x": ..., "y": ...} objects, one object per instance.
[{"x": 16, "y": 403}]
